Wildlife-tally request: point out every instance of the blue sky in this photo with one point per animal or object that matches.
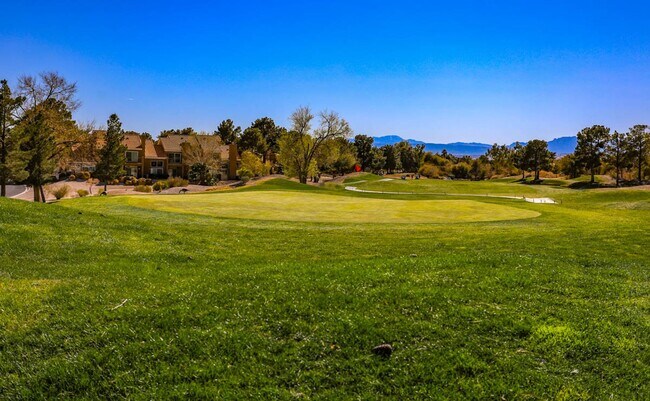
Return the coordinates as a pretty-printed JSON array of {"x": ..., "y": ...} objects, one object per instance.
[{"x": 485, "y": 71}]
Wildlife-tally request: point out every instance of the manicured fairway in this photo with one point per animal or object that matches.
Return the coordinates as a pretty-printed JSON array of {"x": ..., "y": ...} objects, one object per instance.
[
  {"x": 505, "y": 187},
  {"x": 323, "y": 207},
  {"x": 202, "y": 297}
]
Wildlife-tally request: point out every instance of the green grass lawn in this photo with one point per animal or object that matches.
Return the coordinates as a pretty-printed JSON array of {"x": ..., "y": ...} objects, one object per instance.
[
  {"x": 264, "y": 293},
  {"x": 329, "y": 208}
]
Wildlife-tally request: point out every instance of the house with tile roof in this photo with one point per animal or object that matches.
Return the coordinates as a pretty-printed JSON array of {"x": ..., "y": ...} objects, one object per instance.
[{"x": 164, "y": 157}]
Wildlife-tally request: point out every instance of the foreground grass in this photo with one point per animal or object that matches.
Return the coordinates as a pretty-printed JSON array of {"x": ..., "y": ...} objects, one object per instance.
[{"x": 555, "y": 306}]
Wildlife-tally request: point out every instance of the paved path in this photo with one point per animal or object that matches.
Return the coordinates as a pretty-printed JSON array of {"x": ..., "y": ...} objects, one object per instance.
[
  {"x": 527, "y": 199},
  {"x": 15, "y": 190}
]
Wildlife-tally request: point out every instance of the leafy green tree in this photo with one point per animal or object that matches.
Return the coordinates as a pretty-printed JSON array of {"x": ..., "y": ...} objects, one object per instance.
[
  {"x": 393, "y": 159},
  {"x": 271, "y": 134},
  {"x": 616, "y": 154},
  {"x": 411, "y": 157},
  {"x": 500, "y": 157},
  {"x": 519, "y": 159},
  {"x": 252, "y": 140},
  {"x": 254, "y": 164},
  {"x": 112, "y": 157},
  {"x": 537, "y": 157},
  {"x": 378, "y": 160},
  {"x": 9, "y": 106},
  {"x": 299, "y": 147},
  {"x": 336, "y": 156},
  {"x": 638, "y": 147},
  {"x": 591, "y": 147},
  {"x": 228, "y": 132},
  {"x": 568, "y": 165},
  {"x": 364, "y": 150}
]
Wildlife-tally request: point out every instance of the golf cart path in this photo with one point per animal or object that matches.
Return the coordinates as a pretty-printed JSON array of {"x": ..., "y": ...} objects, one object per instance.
[{"x": 527, "y": 199}]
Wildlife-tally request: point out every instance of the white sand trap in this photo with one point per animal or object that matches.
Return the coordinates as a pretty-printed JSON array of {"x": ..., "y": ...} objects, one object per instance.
[
  {"x": 385, "y": 179},
  {"x": 539, "y": 200}
]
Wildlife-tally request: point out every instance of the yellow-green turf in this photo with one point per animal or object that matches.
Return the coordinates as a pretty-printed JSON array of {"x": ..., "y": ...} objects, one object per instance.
[{"x": 323, "y": 207}]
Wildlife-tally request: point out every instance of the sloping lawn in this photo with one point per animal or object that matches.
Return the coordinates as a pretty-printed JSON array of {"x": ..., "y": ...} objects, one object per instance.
[{"x": 199, "y": 297}]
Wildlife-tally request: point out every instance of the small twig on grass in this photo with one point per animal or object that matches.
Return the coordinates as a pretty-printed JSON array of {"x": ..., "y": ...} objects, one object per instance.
[{"x": 120, "y": 305}]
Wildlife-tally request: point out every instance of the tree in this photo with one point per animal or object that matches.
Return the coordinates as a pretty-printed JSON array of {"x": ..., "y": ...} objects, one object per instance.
[
  {"x": 254, "y": 164},
  {"x": 168, "y": 132},
  {"x": 336, "y": 156},
  {"x": 9, "y": 106},
  {"x": 228, "y": 132},
  {"x": 378, "y": 160},
  {"x": 500, "y": 158},
  {"x": 299, "y": 146},
  {"x": 112, "y": 156},
  {"x": 204, "y": 150},
  {"x": 39, "y": 143},
  {"x": 393, "y": 160},
  {"x": 51, "y": 85},
  {"x": 537, "y": 156},
  {"x": 638, "y": 147},
  {"x": 364, "y": 149},
  {"x": 568, "y": 165},
  {"x": 519, "y": 159},
  {"x": 616, "y": 154},
  {"x": 252, "y": 140},
  {"x": 200, "y": 174},
  {"x": 591, "y": 147},
  {"x": 271, "y": 134}
]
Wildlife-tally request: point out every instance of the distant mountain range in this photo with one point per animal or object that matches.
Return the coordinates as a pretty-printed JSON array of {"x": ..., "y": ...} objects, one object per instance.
[{"x": 561, "y": 146}]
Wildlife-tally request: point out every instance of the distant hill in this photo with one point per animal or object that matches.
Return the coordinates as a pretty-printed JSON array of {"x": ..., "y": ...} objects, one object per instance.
[{"x": 561, "y": 146}]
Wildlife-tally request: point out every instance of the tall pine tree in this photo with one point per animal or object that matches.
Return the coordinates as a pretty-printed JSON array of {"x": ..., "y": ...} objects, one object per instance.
[
  {"x": 112, "y": 156},
  {"x": 639, "y": 147},
  {"x": 617, "y": 155},
  {"x": 591, "y": 147},
  {"x": 8, "y": 107}
]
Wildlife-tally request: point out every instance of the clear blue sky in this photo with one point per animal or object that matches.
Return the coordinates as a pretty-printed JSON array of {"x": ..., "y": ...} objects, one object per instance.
[{"x": 488, "y": 71}]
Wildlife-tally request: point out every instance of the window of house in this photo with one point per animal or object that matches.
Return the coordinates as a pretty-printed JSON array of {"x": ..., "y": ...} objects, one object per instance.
[
  {"x": 175, "y": 158},
  {"x": 132, "y": 157},
  {"x": 157, "y": 163}
]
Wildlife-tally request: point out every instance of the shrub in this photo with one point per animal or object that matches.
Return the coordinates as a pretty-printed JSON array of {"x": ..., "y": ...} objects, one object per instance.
[
  {"x": 160, "y": 186},
  {"x": 176, "y": 182},
  {"x": 113, "y": 182},
  {"x": 244, "y": 174},
  {"x": 141, "y": 181},
  {"x": 430, "y": 171},
  {"x": 460, "y": 170},
  {"x": 142, "y": 188},
  {"x": 84, "y": 175},
  {"x": 252, "y": 163},
  {"x": 82, "y": 193},
  {"x": 72, "y": 177},
  {"x": 202, "y": 174},
  {"x": 59, "y": 192}
]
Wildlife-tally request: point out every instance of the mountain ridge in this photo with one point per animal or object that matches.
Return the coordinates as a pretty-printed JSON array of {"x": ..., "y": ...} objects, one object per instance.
[{"x": 561, "y": 146}]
